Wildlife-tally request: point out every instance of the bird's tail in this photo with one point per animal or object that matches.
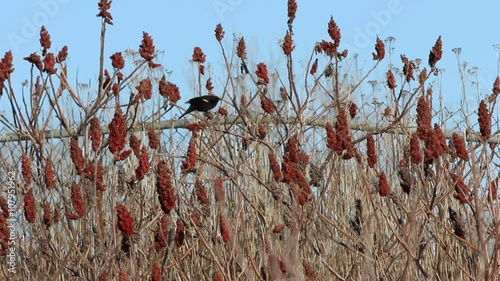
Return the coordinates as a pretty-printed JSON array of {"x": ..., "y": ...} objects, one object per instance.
[{"x": 183, "y": 114}]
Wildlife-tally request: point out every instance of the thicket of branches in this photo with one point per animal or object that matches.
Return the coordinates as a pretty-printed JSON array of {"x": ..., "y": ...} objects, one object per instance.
[{"x": 294, "y": 177}]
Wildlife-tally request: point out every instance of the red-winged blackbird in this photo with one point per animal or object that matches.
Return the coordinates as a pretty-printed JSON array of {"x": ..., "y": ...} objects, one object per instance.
[{"x": 203, "y": 103}]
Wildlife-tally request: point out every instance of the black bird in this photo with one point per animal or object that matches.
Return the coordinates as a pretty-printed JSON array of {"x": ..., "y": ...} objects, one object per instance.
[{"x": 203, "y": 103}]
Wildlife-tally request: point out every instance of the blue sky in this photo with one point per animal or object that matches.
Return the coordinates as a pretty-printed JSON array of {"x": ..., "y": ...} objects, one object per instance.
[{"x": 178, "y": 26}]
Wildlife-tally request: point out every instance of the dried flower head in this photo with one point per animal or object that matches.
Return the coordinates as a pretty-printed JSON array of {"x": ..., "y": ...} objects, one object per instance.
[
  {"x": 219, "y": 32},
  {"x": 196, "y": 127},
  {"x": 261, "y": 131},
  {"x": 49, "y": 63},
  {"x": 459, "y": 147},
  {"x": 103, "y": 7},
  {"x": 415, "y": 154},
  {"x": 408, "y": 67},
  {"x": 76, "y": 155},
  {"x": 383, "y": 186},
  {"x": 334, "y": 32},
  {"x": 189, "y": 164},
  {"x": 143, "y": 167},
  {"x": 329, "y": 48},
  {"x": 266, "y": 104},
  {"x": 26, "y": 168},
  {"x": 135, "y": 145},
  {"x": 50, "y": 180},
  {"x": 117, "y": 131},
  {"x": 293, "y": 174},
  {"x": 147, "y": 48},
  {"x": 79, "y": 204},
  {"x": 144, "y": 90},
  {"x": 391, "y": 81},
  {"x": 293, "y": 168},
  {"x": 299, "y": 194},
  {"x": 342, "y": 131},
  {"x": 164, "y": 188},
  {"x": 371, "y": 152},
  {"x": 484, "y": 121},
  {"x": 287, "y": 44},
  {"x": 156, "y": 272},
  {"x": 47, "y": 214},
  {"x": 424, "y": 118},
  {"x": 462, "y": 192},
  {"x": 294, "y": 154},
  {"x": 278, "y": 176},
  {"x": 179, "y": 233},
  {"x": 493, "y": 190},
  {"x": 380, "y": 49},
  {"x": 198, "y": 55},
  {"x": 224, "y": 228},
  {"x": 441, "y": 139},
  {"x": 95, "y": 133},
  {"x": 432, "y": 148},
  {"x": 314, "y": 67},
  {"x": 436, "y": 52},
  {"x": 222, "y": 111},
  {"x": 29, "y": 206},
  {"x": 123, "y": 155},
  {"x": 6, "y": 68},
  {"x": 387, "y": 111},
  {"x": 284, "y": 94},
  {"x": 117, "y": 60},
  {"x": 241, "y": 51},
  {"x": 154, "y": 143},
  {"x": 496, "y": 86},
  {"x": 208, "y": 85},
  {"x": 89, "y": 170},
  {"x": 161, "y": 234},
  {"x": 115, "y": 89},
  {"x": 331, "y": 138},
  {"x": 45, "y": 42},
  {"x": 35, "y": 60},
  {"x": 62, "y": 55},
  {"x": 125, "y": 220},
  {"x": 353, "y": 109},
  {"x": 422, "y": 76},
  {"x": 169, "y": 90},
  {"x": 261, "y": 72},
  {"x": 201, "y": 193},
  {"x": 99, "y": 177},
  {"x": 292, "y": 10},
  {"x": 219, "y": 192}
]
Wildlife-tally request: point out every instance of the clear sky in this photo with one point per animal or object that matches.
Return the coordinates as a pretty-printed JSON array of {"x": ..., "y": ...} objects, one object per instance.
[{"x": 178, "y": 26}]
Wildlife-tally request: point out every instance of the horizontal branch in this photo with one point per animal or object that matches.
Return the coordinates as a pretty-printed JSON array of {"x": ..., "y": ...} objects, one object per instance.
[{"x": 177, "y": 124}]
